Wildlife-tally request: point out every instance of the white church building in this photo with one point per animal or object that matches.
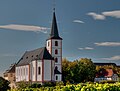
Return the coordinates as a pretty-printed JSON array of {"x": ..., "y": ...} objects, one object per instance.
[{"x": 42, "y": 64}]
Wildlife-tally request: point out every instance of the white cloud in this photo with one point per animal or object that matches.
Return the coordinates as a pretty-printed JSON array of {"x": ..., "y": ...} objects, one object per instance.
[
  {"x": 96, "y": 16},
  {"x": 103, "y": 15},
  {"x": 86, "y": 48},
  {"x": 108, "y": 44},
  {"x": 115, "y": 58},
  {"x": 25, "y": 28},
  {"x": 115, "y": 13},
  {"x": 89, "y": 48},
  {"x": 78, "y": 21}
]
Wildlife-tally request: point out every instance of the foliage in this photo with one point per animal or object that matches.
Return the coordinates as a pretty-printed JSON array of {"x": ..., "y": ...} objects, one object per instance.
[
  {"x": 78, "y": 71},
  {"x": 22, "y": 85},
  {"x": 4, "y": 84},
  {"x": 35, "y": 85},
  {"x": 60, "y": 83},
  {"x": 78, "y": 87},
  {"x": 49, "y": 84}
]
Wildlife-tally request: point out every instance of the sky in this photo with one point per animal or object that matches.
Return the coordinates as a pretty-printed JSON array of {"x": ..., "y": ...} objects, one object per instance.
[{"x": 90, "y": 29}]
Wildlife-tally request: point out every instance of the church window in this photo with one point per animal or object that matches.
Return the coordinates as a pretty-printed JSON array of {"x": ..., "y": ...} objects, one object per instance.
[
  {"x": 36, "y": 55},
  {"x": 33, "y": 70},
  {"x": 56, "y": 77},
  {"x": 21, "y": 71},
  {"x": 56, "y": 51},
  {"x": 39, "y": 70},
  {"x": 26, "y": 57},
  {"x": 26, "y": 71},
  {"x": 56, "y": 60},
  {"x": 56, "y": 43},
  {"x": 48, "y": 43}
]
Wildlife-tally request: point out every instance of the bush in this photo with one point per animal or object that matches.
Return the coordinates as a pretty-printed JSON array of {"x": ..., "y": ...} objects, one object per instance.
[
  {"x": 49, "y": 84},
  {"x": 59, "y": 83},
  {"x": 35, "y": 85},
  {"x": 22, "y": 85},
  {"x": 4, "y": 84},
  {"x": 107, "y": 81}
]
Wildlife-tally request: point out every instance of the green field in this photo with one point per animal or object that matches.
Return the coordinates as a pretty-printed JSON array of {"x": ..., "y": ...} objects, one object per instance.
[{"x": 78, "y": 87}]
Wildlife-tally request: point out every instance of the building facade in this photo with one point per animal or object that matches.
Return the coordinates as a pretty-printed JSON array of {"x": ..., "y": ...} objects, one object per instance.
[
  {"x": 42, "y": 64},
  {"x": 10, "y": 75}
]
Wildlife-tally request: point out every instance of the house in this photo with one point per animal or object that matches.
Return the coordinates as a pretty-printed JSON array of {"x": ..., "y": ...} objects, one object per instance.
[
  {"x": 106, "y": 74},
  {"x": 42, "y": 64},
  {"x": 10, "y": 75}
]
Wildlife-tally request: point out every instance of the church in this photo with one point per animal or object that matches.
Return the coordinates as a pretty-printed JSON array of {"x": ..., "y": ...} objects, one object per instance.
[{"x": 42, "y": 64}]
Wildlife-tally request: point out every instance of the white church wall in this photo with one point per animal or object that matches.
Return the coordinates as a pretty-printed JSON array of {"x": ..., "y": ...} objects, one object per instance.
[
  {"x": 47, "y": 70},
  {"x": 33, "y": 70},
  {"x": 59, "y": 60},
  {"x": 59, "y": 77},
  {"x": 48, "y": 46},
  {"x": 22, "y": 73},
  {"x": 39, "y": 76},
  {"x": 59, "y": 43},
  {"x": 53, "y": 67}
]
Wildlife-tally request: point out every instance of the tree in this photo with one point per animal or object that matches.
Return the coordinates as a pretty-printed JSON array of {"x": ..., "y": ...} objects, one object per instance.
[
  {"x": 87, "y": 69},
  {"x": 78, "y": 70},
  {"x": 4, "y": 84},
  {"x": 65, "y": 70}
]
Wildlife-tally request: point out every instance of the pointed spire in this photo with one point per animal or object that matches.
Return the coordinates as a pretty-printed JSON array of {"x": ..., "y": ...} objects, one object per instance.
[{"x": 54, "y": 30}]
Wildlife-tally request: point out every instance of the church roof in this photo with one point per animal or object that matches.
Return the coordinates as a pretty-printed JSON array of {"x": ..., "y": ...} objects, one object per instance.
[
  {"x": 11, "y": 69},
  {"x": 56, "y": 71},
  {"x": 54, "y": 30},
  {"x": 37, "y": 54}
]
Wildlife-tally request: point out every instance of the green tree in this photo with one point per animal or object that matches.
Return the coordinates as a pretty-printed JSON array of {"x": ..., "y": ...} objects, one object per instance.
[
  {"x": 87, "y": 69},
  {"x": 4, "y": 84},
  {"x": 65, "y": 70},
  {"x": 78, "y": 70}
]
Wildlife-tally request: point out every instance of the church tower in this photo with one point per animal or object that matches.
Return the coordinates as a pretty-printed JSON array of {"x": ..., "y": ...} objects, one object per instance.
[{"x": 54, "y": 46}]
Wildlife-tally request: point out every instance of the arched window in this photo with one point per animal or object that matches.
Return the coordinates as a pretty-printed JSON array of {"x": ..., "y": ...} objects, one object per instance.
[
  {"x": 48, "y": 43},
  {"x": 56, "y": 60},
  {"x": 56, "y": 77},
  {"x": 56, "y": 43},
  {"x": 39, "y": 70},
  {"x": 56, "y": 51},
  {"x": 26, "y": 71}
]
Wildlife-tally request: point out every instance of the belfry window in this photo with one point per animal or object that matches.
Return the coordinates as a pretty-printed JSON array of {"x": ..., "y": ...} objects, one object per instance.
[
  {"x": 56, "y": 77},
  {"x": 56, "y": 43},
  {"x": 56, "y": 60},
  {"x": 56, "y": 51}
]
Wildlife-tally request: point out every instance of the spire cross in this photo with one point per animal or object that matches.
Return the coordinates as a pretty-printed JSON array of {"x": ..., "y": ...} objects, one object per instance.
[{"x": 54, "y": 4}]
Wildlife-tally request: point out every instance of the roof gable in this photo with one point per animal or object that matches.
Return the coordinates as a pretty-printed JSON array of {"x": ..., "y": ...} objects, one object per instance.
[{"x": 37, "y": 54}]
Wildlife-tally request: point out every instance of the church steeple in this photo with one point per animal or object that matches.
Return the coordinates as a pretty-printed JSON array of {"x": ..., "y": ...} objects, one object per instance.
[
  {"x": 54, "y": 29},
  {"x": 54, "y": 46}
]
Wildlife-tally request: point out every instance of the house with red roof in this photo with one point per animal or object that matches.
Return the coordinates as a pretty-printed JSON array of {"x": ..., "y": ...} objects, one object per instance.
[{"x": 106, "y": 74}]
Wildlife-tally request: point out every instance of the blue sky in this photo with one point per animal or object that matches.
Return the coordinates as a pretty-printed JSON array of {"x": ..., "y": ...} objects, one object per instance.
[{"x": 89, "y": 28}]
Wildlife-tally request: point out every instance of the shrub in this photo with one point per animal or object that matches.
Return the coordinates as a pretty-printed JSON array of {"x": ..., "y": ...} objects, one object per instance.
[
  {"x": 4, "y": 84},
  {"x": 35, "y": 85},
  {"x": 49, "y": 84}
]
